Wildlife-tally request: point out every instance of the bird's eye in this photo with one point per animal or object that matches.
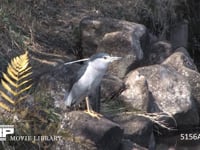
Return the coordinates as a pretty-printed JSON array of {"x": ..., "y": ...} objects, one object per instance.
[{"x": 105, "y": 57}]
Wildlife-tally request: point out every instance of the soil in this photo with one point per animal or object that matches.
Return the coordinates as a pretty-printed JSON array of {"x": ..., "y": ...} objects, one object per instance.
[{"x": 50, "y": 29}]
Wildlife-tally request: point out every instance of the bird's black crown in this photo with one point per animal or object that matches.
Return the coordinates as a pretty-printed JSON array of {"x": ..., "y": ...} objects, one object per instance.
[{"x": 98, "y": 55}]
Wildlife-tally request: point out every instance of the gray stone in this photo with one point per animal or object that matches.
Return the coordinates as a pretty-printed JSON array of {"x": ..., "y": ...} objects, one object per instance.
[
  {"x": 180, "y": 59},
  {"x": 136, "y": 93},
  {"x": 135, "y": 128},
  {"x": 115, "y": 37},
  {"x": 111, "y": 87},
  {"x": 170, "y": 92},
  {"x": 91, "y": 133},
  {"x": 194, "y": 80},
  {"x": 183, "y": 64}
]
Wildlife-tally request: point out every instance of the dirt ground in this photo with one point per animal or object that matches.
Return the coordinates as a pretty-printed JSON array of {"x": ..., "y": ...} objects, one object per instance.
[{"x": 50, "y": 29}]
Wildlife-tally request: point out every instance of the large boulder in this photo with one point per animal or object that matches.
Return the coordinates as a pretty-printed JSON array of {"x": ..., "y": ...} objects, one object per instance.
[
  {"x": 136, "y": 128},
  {"x": 111, "y": 87},
  {"x": 89, "y": 133},
  {"x": 179, "y": 60},
  {"x": 136, "y": 94},
  {"x": 183, "y": 64},
  {"x": 115, "y": 37},
  {"x": 170, "y": 92}
]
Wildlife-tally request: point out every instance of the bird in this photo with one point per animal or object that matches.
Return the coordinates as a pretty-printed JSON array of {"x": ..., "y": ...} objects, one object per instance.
[{"x": 88, "y": 78}]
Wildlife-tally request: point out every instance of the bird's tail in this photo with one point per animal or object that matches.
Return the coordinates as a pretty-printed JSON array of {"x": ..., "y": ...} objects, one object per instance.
[{"x": 67, "y": 100}]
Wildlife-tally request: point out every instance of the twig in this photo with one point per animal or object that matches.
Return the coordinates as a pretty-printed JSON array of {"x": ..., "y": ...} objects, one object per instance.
[
  {"x": 154, "y": 117},
  {"x": 80, "y": 60}
]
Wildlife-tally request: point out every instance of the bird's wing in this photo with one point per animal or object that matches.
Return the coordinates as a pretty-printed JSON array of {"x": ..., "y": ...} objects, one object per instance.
[
  {"x": 81, "y": 71},
  {"x": 66, "y": 95},
  {"x": 77, "y": 76},
  {"x": 73, "y": 81}
]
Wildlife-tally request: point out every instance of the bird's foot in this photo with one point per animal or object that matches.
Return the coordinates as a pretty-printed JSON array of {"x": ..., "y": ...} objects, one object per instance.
[{"x": 93, "y": 114}]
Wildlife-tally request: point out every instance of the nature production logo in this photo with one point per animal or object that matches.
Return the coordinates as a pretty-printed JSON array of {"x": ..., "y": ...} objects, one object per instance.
[
  {"x": 9, "y": 130},
  {"x": 5, "y": 130}
]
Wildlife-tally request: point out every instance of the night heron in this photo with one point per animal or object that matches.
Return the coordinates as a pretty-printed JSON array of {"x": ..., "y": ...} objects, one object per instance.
[{"x": 87, "y": 79}]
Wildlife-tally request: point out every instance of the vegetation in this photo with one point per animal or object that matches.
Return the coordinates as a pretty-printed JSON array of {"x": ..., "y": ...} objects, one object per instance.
[
  {"x": 41, "y": 25},
  {"x": 29, "y": 117},
  {"x": 16, "y": 81}
]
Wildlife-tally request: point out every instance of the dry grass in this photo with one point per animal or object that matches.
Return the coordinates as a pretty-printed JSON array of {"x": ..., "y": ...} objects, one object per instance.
[{"x": 54, "y": 23}]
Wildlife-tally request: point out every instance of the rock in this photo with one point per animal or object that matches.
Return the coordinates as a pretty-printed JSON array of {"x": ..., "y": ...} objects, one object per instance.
[
  {"x": 182, "y": 62},
  {"x": 91, "y": 133},
  {"x": 158, "y": 52},
  {"x": 136, "y": 93},
  {"x": 117, "y": 37},
  {"x": 54, "y": 84},
  {"x": 175, "y": 141},
  {"x": 194, "y": 80},
  {"x": 129, "y": 145},
  {"x": 170, "y": 92},
  {"x": 136, "y": 128},
  {"x": 180, "y": 59},
  {"x": 111, "y": 87}
]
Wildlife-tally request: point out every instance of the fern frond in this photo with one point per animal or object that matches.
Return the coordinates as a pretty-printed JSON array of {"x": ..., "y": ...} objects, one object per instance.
[
  {"x": 16, "y": 81},
  {"x": 8, "y": 88},
  {"x": 24, "y": 71},
  {"x": 6, "y": 97},
  {"x": 4, "y": 106},
  {"x": 24, "y": 82},
  {"x": 25, "y": 89},
  {"x": 9, "y": 80},
  {"x": 12, "y": 72},
  {"x": 13, "y": 83},
  {"x": 25, "y": 76}
]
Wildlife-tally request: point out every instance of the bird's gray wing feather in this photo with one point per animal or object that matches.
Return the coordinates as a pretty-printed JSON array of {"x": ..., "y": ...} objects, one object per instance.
[
  {"x": 73, "y": 89},
  {"x": 77, "y": 76},
  {"x": 66, "y": 95},
  {"x": 76, "y": 94}
]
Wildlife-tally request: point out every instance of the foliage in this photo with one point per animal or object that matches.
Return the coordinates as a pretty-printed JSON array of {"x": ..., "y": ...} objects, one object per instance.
[
  {"x": 157, "y": 15},
  {"x": 15, "y": 82},
  {"x": 35, "y": 117}
]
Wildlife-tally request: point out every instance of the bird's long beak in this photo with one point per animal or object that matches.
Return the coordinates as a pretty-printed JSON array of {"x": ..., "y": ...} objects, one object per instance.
[{"x": 112, "y": 58}]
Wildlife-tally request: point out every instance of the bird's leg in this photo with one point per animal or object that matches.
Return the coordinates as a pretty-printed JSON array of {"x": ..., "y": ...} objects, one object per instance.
[{"x": 90, "y": 111}]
